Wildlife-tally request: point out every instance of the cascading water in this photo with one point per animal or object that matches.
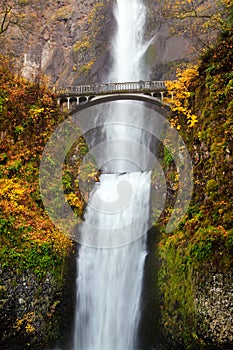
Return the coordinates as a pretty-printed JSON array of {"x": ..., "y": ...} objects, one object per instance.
[
  {"x": 128, "y": 44},
  {"x": 110, "y": 273}
]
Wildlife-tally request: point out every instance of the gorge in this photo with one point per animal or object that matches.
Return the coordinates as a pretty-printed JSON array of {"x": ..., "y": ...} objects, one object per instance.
[{"x": 175, "y": 286}]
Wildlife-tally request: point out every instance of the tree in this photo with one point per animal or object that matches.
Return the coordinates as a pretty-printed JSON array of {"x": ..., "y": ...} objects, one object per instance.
[{"x": 12, "y": 14}]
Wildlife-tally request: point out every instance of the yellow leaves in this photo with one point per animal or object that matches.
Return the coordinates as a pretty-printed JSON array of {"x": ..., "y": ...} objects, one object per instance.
[
  {"x": 95, "y": 12},
  {"x": 35, "y": 112},
  {"x": 16, "y": 201},
  {"x": 11, "y": 190},
  {"x": 192, "y": 120},
  {"x": 74, "y": 200},
  {"x": 81, "y": 45},
  {"x": 29, "y": 328},
  {"x": 227, "y": 3},
  {"x": 63, "y": 13},
  {"x": 29, "y": 115},
  {"x": 88, "y": 173},
  {"x": 180, "y": 100},
  {"x": 187, "y": 75},
  {"x": 25, "y": 322},
  {"x": 18, "y": 324}
]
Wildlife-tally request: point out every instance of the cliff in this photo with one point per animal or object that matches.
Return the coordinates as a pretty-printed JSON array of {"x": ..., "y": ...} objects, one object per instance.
[
  {"x": 70, "y": 41},
  {"x": 196, "y": 271},
  {"x": 63, "y": 40},
  {"x": 33, "y": 252}
]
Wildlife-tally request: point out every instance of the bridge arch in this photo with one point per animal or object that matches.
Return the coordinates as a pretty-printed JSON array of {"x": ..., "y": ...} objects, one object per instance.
[
  {"x": 82, "y": 99},
  {"x": 154, "y": 103}
]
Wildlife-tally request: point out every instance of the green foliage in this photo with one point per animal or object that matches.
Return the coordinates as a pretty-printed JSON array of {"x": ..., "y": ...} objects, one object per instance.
[
  {"x": 176, "y": 286},
  {"x": 79, "y": 177},
  {"x": 85, "y": 67},
  {"x": 21, "y": 252},
  {"x": 211, "y": 185},
  {"x": 168, "y": 157}
]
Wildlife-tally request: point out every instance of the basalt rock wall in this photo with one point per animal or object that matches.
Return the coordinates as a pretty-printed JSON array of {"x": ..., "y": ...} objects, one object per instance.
[
  {"x": 70, "y": 41},
  {"x": 214, "y": 306}
]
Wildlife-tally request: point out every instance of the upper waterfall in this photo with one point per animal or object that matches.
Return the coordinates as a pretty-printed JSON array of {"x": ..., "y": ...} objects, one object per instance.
[{"x": 128, "y": 45}]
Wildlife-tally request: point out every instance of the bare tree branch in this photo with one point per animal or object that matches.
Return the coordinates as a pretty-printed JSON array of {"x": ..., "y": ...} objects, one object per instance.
[{"x": 12, "y": 14}]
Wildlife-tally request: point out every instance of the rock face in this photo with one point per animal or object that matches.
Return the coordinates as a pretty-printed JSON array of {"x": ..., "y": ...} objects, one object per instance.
[
  {"x": 70, "y": 42},
  {"x": 66, "y": 40},
  {"x": 27, "y": 307},
  {"x": 37, "y": 312},
  {"x": 214, "y": 306}
]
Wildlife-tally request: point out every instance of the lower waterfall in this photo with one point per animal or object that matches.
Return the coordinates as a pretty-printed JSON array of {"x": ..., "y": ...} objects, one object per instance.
[{"x": 110, "y": 280}]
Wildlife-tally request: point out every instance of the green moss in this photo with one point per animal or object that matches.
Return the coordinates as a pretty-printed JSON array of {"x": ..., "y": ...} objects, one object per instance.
[
  {"x": 211, "y": 185},
  {"x": 168, "y": 157},
  {"x": 84, "y": 69}
]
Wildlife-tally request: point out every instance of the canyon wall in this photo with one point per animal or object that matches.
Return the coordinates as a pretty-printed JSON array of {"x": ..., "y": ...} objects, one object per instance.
[{"x": 70, "y": 41}]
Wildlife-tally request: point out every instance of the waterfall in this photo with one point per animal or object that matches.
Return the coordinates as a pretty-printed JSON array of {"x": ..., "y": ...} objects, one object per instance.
[
  {"x": 110, "y": 273},
  {"x": 128, "y": 45}
]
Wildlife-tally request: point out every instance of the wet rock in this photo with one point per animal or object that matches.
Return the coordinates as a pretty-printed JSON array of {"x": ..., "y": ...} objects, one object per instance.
[
  {"x": 26, "y": 302},
  {"x": 214, "y": 306}
]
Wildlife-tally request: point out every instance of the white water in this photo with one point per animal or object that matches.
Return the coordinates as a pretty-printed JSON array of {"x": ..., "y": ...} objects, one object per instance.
[
  {"x": 109, "y": 281},
  {"x": 128, "y": 45}
]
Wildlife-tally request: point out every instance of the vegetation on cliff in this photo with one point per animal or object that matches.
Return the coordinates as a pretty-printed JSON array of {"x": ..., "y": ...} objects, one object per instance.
[
  {"x": 202, "y": 112},
  {"x": 200, "y": 20},
  {"x": 31, "y": 247},
  {"x": 33, "y": 251},
  {"x": 28, "y": 116}
]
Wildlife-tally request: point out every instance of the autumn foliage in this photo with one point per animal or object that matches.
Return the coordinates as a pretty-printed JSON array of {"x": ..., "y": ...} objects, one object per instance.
[
  {"x": 180, "y": 90},
  {"x": 28, "y": 115},
  {"x": 202, "y": 111}
]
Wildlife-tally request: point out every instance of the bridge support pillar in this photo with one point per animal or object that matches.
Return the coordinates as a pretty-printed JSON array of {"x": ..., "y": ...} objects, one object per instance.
[
  {"x": 68, "y": 103},
  {"x": 162, "y": 95}
]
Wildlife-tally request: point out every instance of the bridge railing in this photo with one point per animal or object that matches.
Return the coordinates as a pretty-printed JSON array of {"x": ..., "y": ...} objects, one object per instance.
[{"x": 113, "y": 88}]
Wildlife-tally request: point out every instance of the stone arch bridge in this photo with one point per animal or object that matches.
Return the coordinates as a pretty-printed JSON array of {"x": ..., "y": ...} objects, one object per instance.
[{"x": 74, "y": 96}]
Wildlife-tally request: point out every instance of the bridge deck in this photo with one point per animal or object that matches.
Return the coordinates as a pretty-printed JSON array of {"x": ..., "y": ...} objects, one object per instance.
[{"x": 112, "y": 88}]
